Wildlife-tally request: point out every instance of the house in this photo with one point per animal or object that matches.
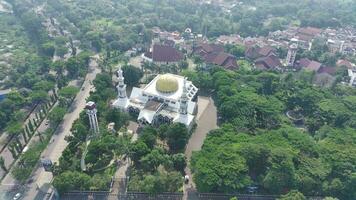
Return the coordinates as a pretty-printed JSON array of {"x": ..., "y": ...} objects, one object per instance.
[
  {"x": 268, "y": 62},
  {"x": 163, "y": 54},
  {"x": 327, "y": 70},
  {"x": 223, "y": 59},
  {"x": 265, "y": 58},
  {"x": 345, "y": 63},
  {"x": 230, "y": 39},
  {"x": 255, "y": 52},
  {"x": 307, "y": 64},
  {"x": 214, "y": 54}
]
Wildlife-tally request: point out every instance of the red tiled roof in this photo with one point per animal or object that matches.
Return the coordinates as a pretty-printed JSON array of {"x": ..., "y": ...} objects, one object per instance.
[
  {"x": 161, "y": 53},
  {"x": 265, "y": 51},
  {"x": 304, "y": 62},
  {"x": 346, "y": 63},
  {"x": 314, "y": 66},
  {"x": 310, "y": 31},
  {"x": 328, "y": 70}
]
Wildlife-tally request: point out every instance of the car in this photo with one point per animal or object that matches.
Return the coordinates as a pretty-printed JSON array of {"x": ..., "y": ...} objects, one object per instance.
[
  {"x": 83, "y": 88},
  {"x": 17, "y": 196},
  {"x": 47, "y": 122}
]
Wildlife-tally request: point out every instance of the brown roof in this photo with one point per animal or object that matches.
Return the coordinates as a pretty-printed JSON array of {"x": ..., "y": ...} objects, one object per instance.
[
  {"x": 346, "y": 63},
  {"x": 255, "y": 52},
  {"x": 268, "y": 62},
  {"x": 327, "y": 70},
  {"x": 161, "y": 53},
  {"x": 152, "y": 105},
  {"x": 265, "y": 51},
  {"x": 208, "y": 48},
  {"x": 309, "y": 31},
  {"x": 304, "y": 62},
  {"x": 223, "y": 59},
  {"x": 314, "y": 66},
  {"x": 214, "y": 54},
  {"x": 309, "y": 64}
]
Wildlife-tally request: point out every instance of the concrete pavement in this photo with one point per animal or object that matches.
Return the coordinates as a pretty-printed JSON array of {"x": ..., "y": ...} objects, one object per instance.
[{"x": 206, "y": 121}]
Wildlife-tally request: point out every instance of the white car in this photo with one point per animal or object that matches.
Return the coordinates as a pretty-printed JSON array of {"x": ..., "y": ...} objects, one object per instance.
[{"x": 17, "y": 196}]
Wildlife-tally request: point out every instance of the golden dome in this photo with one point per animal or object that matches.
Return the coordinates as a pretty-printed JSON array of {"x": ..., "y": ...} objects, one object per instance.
[{"x": 167, "y": 83}]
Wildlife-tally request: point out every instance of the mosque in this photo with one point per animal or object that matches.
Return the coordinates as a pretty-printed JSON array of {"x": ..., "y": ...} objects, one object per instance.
[{"x": 168, "y": 98}]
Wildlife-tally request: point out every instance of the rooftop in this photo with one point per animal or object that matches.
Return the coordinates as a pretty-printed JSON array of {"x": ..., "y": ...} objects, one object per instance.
[{"x": 151, "y": 88}]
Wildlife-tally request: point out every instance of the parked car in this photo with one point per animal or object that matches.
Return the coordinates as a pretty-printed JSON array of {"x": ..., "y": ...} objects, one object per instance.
[{"x": 17, "y": 196}]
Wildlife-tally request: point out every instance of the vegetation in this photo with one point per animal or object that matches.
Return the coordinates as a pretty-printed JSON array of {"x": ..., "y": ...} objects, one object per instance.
[
  {"x": 258, "y": 145},
  {"x": 158, "y": 161},
  {"x": 102, "y": 150}
]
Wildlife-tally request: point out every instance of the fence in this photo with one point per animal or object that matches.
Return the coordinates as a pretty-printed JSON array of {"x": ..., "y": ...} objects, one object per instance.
[{"x": 128, "y": 196}]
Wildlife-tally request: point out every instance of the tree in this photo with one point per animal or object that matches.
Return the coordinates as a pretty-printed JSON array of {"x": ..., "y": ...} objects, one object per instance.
[
  {"x": 2, "y": 164},
  {"x": 177, "y": 137},
  {"x": 183, "y": 65},
  {"x": 281, "y": 173},
  {"x": 293, "y": 195},
  {"x": 132, "y": 75},
  {"x": 56, "y": 115},
  {"x": 69, "y": 180},
  {"x": 39, "y": 96},
  {"x": 149, "y": 137},
  {"x": 119, "y": 118},
  {"x": 68, "y": 92},
  {"x": 179, "y": 162},
  {"x": 138, "y": 149},
  {"x": 152, "y": 160},
  {"x": 220, "y": 171}
]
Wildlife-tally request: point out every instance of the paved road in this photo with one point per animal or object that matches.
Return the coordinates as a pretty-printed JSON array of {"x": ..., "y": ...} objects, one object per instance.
[
  {"x": 206, "y": 121},
  {"x": 54, "y": 149}
]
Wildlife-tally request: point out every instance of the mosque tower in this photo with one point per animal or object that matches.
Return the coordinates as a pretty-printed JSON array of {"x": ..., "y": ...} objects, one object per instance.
[
  {"x": 121, "y": 86},
  {"x": 183, "y": 106}
]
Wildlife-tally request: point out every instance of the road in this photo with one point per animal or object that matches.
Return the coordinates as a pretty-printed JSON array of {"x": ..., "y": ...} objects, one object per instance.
[
  {"x": 54, "y": 149},
  {"x": 206, "y": 121}
]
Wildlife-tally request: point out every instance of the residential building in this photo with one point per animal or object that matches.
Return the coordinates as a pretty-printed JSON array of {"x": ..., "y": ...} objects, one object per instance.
[{"x": 214, "y": 54}]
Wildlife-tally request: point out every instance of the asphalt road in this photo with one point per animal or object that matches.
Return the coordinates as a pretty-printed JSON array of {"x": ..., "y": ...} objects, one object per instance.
[{"x": 41, "y": 179}]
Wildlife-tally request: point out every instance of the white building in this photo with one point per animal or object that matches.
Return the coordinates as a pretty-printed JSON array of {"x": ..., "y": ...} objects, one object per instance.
[
  {"x": 291, "y": 55},
  {"x": 352, "y": 75},
  {"x": 168, "y": 98}
]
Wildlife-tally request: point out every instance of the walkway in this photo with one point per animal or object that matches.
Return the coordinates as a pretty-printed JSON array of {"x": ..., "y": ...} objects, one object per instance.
[
  {"x": 206, "y": 121},
  {"x": 120, "y": 179}
]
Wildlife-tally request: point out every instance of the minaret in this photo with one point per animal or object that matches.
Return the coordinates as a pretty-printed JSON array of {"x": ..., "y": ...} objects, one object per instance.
[
  {"x": 121, "y": 86},
  {"x": 93, "y": 120},
  {"x": 183, "y": 107},
  {"x": 292, "y": 53}
]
